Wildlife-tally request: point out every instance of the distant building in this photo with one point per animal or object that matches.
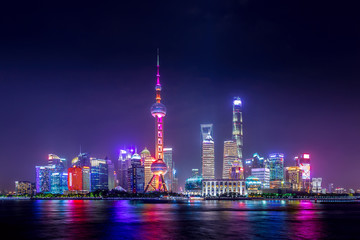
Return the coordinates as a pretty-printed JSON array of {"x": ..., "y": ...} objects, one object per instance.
[
  {"x": 276, "y": 161},
  {"x": 168, "y": 159},
  {"x": 195, "y": 172},
  {"x": 316, "y": 185},
  {"x": 236, "y": 171},
  {"x": 230, "y": 156},
  {"x": 208, "y": 152},
  {"x": 218, "y": 187},
  {"x": 331, "y": 188},
  {"x": 237, "y": 131},
  {"x": 99, "y": 174},
  {"x": 293, "y": 176},
  {"x": 255, "y": 162},
  {"x": 123, "y": 166},
  {"x": 24, "y": 188},
  {"x": 340, "y": 190},
  {"x": 175, "y": 185},
  {"x": 147, "y": 160},
  {"x": 75, "y": 179},
  {"x": 111, "y": 174},
  {"x": 43, "y": 181},
  {"x": 193, "y": 186},
  {"x": 303, "y": 162},
  {"x": 86, "y": 179},
  {"x": 136, "y": 175},
  {"x": 263, "y": 174},
  {"x": 59, "y": 175},
  {"x": 253, "y": 185}
]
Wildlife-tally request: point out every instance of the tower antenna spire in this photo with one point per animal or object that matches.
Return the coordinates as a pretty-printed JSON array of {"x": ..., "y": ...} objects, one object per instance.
[{"x": 158, "y": 69}]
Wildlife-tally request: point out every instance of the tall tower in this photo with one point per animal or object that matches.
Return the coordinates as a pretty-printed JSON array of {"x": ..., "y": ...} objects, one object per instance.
[
  {"x": 158, "y": 167},
  {"x": 207, "y": 151},
  {"x": 230, "y": 156},
  {"x": 237, "y": 132}
]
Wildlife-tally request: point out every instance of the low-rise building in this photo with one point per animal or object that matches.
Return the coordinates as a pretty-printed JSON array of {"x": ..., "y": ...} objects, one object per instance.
[{"x": 217, "y": 187}]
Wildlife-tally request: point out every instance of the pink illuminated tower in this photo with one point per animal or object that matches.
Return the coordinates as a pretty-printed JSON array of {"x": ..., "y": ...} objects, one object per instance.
[{"x": 158, "y": 167}]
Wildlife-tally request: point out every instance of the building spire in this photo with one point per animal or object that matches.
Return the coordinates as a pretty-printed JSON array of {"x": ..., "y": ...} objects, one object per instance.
[{"x": 158, "y": 69}]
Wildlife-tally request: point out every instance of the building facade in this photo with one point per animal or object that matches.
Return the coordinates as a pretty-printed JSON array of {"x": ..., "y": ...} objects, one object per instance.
[
  {"x": 293, "y": 176},
  {"x": 221, "y": 187},
  {"x": 136, "y": 175},
  {"x": 99, "y": 174},
  {"x": 316, "y": 185},
  {"x": 263, "y": 174},
  {"x": 230, "y": 155},
  {"x": 24, "y": 188},
  {"x": 169, "y": 176},
  {"x": 75, "y": 179},
  {"x": 207, "y": 151}
]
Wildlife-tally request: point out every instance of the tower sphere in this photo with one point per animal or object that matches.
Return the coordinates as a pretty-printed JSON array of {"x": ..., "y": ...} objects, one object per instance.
[
  {"x": 158, "y": 167},
  {"x": 158, "y": 109}
]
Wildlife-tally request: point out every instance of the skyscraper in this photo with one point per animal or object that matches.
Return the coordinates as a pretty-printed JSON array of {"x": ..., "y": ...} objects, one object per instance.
[
  {"x": 276, "y": 161},
  {"x": 136, "y": 175},
  {"x": 59, "y": 175},
  {"x": 111, "y": 174},
  {"x": 169, "y": 178},
  {"x": 230, "y": 155},
  {"x": 238, "y": 126},
  {"x": 303, "y": 162},
  {"x": 75, "y": 179},
  {"x": 158, "y": 167},
  {"x": 147, "y": 160},
  {"x": 43, "y": 178},
  {"x": 293, "y": 176},
  {"x": 99, "y": 174},
  {"x": 123, "y": 166},
  {"x": 207, "y": 151}
]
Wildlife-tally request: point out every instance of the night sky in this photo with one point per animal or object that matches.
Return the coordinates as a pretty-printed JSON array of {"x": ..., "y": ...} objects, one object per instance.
[{"x": 76, "y": 74}]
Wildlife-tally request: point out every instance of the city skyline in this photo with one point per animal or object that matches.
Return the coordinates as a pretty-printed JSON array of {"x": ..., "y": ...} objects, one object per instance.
[{"x": 66, "y": 87}]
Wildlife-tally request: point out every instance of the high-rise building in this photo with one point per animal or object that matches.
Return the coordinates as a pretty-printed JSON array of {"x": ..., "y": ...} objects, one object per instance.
[
  {"x": 208, "y": 152},
  {"x": 43, "y": 180},
  {"x": 158, "y": 167},
  {"x": 293, "y": 176},
  {"x": 59, "y": 175},
  {"x": 24, "y": 188},
  {"x": 236, "y": 171},
  {"x": 83, "y": 159},
  {"x": 195, "y": 172},
  {"x": 255, "y": 162},
  {"x": 99, "y": 174},
  {"x": 168, "y": 152},
  {"x": 75, "y": 179},
  {"x": 111, "y": 174},
  {"x": 136, "y": 175},
  {"x": 147, "y": 160},
  {"x": 276, "y": 161},
  {"x": 303, "y": 162},
  {"x": 263, "y": 174},
  {"x": 123, "y": 166},
  {"x": 230, "y": 156},
  {"x": 237, "y": 131},
  {"x": 331, "y": 188},
  {"x": 316, "y": 185},
  {"x": 86, "y": 176},
  {"x": 253, "y": 185}
]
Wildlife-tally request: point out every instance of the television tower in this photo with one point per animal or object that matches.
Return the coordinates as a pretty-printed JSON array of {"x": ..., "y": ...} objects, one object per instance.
[{"x": 158, "y": 167}]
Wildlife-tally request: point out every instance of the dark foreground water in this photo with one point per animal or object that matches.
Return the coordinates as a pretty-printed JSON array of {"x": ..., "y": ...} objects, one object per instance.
[{"x": 105, "y": 219}]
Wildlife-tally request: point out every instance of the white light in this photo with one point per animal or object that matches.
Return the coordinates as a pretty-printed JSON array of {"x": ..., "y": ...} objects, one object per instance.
[{"x": 237, "y": 102}]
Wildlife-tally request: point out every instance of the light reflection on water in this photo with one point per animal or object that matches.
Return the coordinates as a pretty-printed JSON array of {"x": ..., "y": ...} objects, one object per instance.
[{"x": 105, "y": 219}]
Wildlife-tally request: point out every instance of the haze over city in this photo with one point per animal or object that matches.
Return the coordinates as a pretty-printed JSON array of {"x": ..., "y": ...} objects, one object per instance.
[{"x": 85, "y": 77}]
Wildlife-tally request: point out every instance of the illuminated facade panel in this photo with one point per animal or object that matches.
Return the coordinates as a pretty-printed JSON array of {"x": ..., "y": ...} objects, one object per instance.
[
  {"x": 303, "y": 162},
  {"x": 276, "y": 161},
  {"x": 75, "y": 179}
]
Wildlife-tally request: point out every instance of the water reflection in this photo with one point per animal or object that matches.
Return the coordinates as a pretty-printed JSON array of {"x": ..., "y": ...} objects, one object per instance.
[{"x": 86, "y": 219}]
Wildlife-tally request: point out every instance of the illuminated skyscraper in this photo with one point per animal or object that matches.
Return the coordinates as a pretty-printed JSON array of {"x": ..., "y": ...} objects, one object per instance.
[
  {"x": 293, "y": 176},
  {"x": 147, "y": 160},
  {"x": 208, "y": 152},
  {"x": 59, "y": 175},
  {"x": 158, "y": 167},
  {"x": 123, "y": 166},
  {"x": 303, "y": 162},
  {"x": 237, "y": 132},
  {"x": 99, "y": 174},
  {"x": 169, "y": 177},
  {"x": 276, "y": 161},
  {"x": 75, "y": 179},
  {"x": 86, "y": 183},
  {"x": 43, "y": 178},
  {"x": 230, "y": 155},
  {"x": 136, "y": 175}
]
